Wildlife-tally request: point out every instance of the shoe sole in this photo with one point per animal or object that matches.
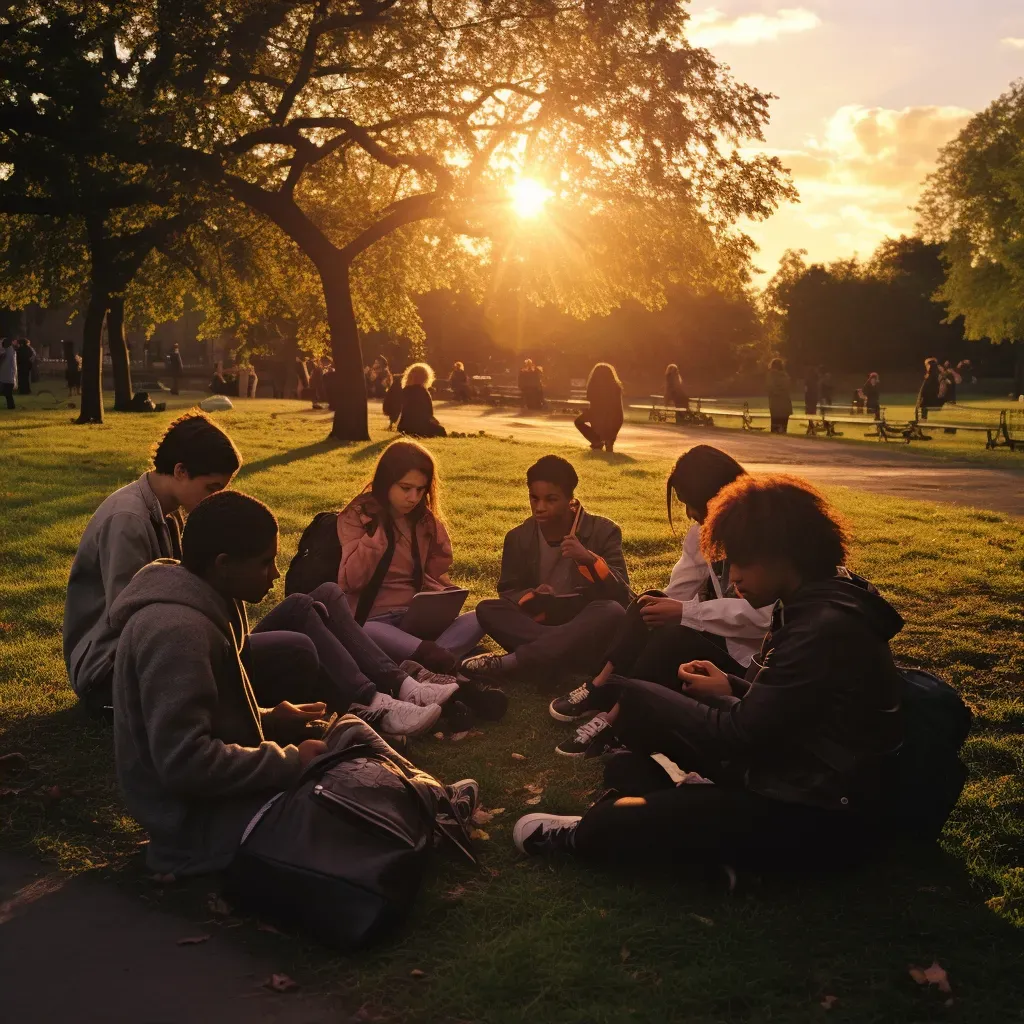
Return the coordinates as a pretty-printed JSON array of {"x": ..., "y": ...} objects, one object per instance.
[
  {"x": 526, "y": 820},
  {"x": 566, "y": 753},
  {"x": 559, "y": 717}
]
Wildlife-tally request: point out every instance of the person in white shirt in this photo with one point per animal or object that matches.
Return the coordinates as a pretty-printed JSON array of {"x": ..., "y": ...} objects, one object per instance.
[{"x": 698, "y": 617}]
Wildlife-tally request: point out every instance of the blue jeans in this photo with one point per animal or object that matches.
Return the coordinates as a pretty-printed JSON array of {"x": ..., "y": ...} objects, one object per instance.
[
  {"x": 459, "y": 638},
  {"x": 310, "y": 648}
]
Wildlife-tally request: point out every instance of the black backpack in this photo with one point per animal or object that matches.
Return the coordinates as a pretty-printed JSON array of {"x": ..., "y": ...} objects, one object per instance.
[
  {"x": 318, "y": 557},
  {"x": 926, "y": 775},
  {"x": 343, "y": 852},
  {"x": 141, "y": 402}
]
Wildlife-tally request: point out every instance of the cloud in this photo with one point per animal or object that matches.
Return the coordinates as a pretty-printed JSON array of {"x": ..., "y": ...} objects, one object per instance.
[
  {"x": 712, "y": 28},
  {"x": 1017, "y": 44},
  {"x": 858, "y": 180}
]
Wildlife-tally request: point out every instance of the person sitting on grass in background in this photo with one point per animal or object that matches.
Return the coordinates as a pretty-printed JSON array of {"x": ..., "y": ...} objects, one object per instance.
[
  {"x": 563, "y": 586},
  {"x": 196, "y": 755},
  {"x": 417, "y": 418},
  {"x": 133, "y": 526},
  {"x": 394, "y": 545},
  {"x": 823, "y": 691},
  {"x": 698, "y": 617}
]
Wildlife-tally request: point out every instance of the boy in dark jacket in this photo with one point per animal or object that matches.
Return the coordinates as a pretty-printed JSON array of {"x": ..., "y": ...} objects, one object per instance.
[
  {"x": 824, "y": 691},
  {"x": 563, "y": 587}
]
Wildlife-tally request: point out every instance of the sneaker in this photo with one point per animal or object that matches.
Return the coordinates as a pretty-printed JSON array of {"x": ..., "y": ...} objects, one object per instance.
[
  {"x": 591, "y": 739},
  {"x": 427, "y": 688},
  {"x": 487, "y": 665},
  {"x": 396, "y": 717},
  {"x": 465, "y": 798},
  {"x": 545, "y": 833},
  {"x": 486, "y": 702},
  {"x": 580, "y": 703}
]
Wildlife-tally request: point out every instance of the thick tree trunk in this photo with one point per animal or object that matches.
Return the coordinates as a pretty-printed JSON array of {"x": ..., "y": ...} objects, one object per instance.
[
  {"x": 350, "y": 417},
  {"x": 92, "y": 360},
  {"x": 119, "y": 362}
]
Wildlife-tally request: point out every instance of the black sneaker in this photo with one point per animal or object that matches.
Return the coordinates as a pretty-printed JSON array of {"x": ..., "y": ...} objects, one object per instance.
[
  {"x": 592, "y": 739},
  {"x": 486, "y": 665},
  {"x": 545, "y": 833},
  {"x": 487, "y": 702},
  {"x": 582, "y": 702}
]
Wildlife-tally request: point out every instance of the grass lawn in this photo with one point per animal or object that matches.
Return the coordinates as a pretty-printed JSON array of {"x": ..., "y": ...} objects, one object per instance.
[{"x": 553, "y": 942}]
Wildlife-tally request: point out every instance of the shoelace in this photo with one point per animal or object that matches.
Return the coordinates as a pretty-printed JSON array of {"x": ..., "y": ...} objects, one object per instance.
[
  {"x": 586, "y": 732},
  {"x": 557, "y": 837},
  {"x": 578, "y": 695},
  {"x": 370, "y": 715}
]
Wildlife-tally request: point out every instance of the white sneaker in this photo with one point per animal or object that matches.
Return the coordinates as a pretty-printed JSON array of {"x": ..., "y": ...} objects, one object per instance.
[
  {"x": 424, "y": 687},
  {"x": 545, "y": 833},
  {"x": 397, "y": 717}
]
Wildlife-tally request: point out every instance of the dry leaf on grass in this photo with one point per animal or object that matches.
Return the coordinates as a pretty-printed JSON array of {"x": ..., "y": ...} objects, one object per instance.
[
  {"x": 518, "y": 757},
  {"x": 438, "y": 735},
  {"x": 703, "y": 920},
  {"x": 624, "y": 954},
  {"x": 478, "y": 833},
  {"x": 417, "y": 973},
  {"x": 603, "y": 912},
  {"x": 482, "y": 817},
  {"x": 455, "y": 893},
  {"x": 533, "y": 787},
  {"x": 533, "y": 801},
  {"x": 934, "y": 975},
  {"x": 193, "y": 940},
  {"x": 828, "y": 1002},
  {"x": 281, "y": 983},
  {"x": 458, "y": 736}
]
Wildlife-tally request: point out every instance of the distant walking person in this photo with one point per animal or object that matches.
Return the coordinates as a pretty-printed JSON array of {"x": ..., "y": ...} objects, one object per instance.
[
  {"x": 531, "y": 385},
  {"x": 601, "y": 423},
  {"x": 26, "y": 357},
  {"x": 417, "y": 418},
  {"x": 175, "y": 365},
  {"x": 675, "y": 393},
  {"x": 872, "y": 395},
  {"x": 780, "y": 402},
  {"x": 8, "y": 370},
  {"x": 930, "y": 396},
  {"x": 73, "y": 375}
]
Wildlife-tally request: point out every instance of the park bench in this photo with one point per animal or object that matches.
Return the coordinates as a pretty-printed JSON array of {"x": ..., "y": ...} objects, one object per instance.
[
  {"x": 660, "y": 411},
  {"x": 829, "y": 420},
  {"x": 1003, "y": 428}
]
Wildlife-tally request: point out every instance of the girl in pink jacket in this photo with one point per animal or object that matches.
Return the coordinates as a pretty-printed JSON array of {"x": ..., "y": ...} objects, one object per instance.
[{"x": 397, "y": 517}]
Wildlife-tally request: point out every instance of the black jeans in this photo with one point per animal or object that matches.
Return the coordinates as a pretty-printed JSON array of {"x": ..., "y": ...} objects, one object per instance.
[
  {"x": 310, "y": 648},
  {"x": 7, "y": 390},
  {"x": 584, "y": 423},
  {"x": 695, "y": 823}
]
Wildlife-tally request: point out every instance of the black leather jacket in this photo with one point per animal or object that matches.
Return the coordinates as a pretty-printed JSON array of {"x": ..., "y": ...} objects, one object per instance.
[{"x": 823, "y": 691}]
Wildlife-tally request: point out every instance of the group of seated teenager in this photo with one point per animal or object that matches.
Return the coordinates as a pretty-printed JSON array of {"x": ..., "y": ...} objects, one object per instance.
[{"x": 761, "y": 649}]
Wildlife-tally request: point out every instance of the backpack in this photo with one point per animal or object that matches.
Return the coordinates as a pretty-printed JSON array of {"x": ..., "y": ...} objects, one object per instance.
[
  {"x": 141, "y": 402},
  {"x": 926, "y": 775},
  {"x": 343, "y": 852},
  {"x": 318, "y": 557}
]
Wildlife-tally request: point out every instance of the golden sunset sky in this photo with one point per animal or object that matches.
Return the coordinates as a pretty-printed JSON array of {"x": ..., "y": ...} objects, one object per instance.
[{"x": 869, "y": 90}]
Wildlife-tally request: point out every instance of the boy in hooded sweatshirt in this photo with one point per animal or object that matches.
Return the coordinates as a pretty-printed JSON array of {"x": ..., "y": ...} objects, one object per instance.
[
  {"x": 822, "y": 692},
  {"x": 196, "y": 755}
]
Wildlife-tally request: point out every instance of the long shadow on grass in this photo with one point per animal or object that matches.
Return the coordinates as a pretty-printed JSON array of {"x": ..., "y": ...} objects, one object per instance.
[{"x": 307, "y": 451}]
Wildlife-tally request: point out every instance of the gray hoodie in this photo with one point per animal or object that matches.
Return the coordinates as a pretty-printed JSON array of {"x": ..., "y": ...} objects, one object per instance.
[
  {"x": 192, "y": 761},
  {"x": 129, "y": 530}
]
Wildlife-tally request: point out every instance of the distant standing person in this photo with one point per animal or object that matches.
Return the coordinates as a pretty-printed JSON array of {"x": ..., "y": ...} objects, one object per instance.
[
  {"x": 458, "y": 381},
  {"x": 417, "y": 418},
  {"x": 8, "y": 370},
  {"x": 601, "y": 423},
  {"x": 780, "y": 402},
  {"x": 26, "y": 357},
  {"x": 175, "y": 365},
  {"x": 812, "y": 384},
  {"x": 930, "y": 396},
  {"x": 380, "y": 379},
  {"x": 675, "y": 393},
  {"x": 73, "y": 375},
  {"x": 872, "y": 395},
  {"x": 531, "y": 385},
  {"x": 826, "y": 388}
]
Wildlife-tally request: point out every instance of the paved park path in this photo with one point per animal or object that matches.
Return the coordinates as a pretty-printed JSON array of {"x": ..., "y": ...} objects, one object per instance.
[{"x": 891, "y": 469}]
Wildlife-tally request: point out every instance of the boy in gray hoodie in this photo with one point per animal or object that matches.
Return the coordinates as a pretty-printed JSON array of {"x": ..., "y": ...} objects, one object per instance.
[
  {"x": 196, "y": 755},
  {"x": 135, "y": 525}
]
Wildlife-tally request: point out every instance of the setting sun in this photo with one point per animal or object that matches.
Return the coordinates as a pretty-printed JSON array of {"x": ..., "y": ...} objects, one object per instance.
[{"x": 529, "y": 197}]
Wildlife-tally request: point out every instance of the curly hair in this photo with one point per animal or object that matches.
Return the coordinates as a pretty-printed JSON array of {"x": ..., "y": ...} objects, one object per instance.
[
  {"x": 761, "y": 518},
  {"x": 418, "y": 373}
]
